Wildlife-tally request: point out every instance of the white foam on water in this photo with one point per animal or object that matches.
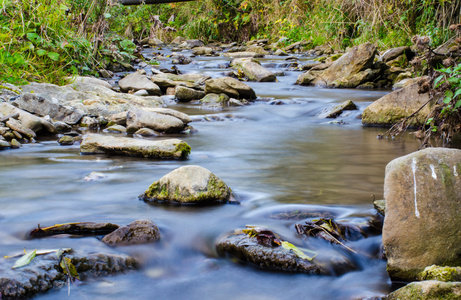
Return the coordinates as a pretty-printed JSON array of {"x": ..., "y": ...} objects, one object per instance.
[{"x": 454, "y": 171}]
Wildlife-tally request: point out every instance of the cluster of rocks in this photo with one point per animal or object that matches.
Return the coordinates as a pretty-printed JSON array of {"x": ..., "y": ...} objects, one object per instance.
[{"x": 45, "y": 271}]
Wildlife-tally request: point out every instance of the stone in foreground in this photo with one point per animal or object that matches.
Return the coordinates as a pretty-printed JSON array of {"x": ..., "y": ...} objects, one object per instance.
[
  {"x": 423, "y": 196},
  {"x": 247, "y": 249},
  {"x": 44, "y": 272},
  {"x": 104, "y": 144},
  {"x": 427, "y": 290},
  {"x": 188, "y": 185},
  {"x": 137, "y": 232}
]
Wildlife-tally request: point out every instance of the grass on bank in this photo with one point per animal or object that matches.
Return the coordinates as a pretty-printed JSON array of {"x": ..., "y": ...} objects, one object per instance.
[{"x": 46, "y": 40}]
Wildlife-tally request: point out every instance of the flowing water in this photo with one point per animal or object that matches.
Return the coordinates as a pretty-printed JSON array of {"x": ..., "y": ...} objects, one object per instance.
[{"x": 275, "y": 158}]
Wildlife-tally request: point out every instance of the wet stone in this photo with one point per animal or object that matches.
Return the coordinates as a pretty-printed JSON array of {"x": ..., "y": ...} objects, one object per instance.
[
  {"x": 66, "y": 140},
  {"x": 44, "y": 272},
  {"x": 137, "y": 232}
]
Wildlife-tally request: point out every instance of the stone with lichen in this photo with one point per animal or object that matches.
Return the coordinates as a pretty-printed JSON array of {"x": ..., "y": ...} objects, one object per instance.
[{"x": 188, "y": 185}]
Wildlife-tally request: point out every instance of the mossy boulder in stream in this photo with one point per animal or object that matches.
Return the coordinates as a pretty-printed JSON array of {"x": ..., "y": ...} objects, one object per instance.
[
  {"x": 423, "y": 199},
  {"x": 398, "y": 105},
  {"x": 427, "y": 290},
  {"x": 188, "y": 185},
  {"x": 166, "y": 149}
]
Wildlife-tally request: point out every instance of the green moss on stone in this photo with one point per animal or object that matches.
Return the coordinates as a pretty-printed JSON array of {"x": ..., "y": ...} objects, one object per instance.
[{"x": 445, "y": 274}]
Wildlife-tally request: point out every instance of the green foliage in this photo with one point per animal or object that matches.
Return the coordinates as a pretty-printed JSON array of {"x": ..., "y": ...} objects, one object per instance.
[{"x": 450, "y": 79}]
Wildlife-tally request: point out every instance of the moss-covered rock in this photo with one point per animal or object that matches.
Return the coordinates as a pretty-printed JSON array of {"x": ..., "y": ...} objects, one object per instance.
[
  {"x": 397, "y": 105},
  {"x": 439, "y": 273},
  {"x": 188, "y": 185},
  {"x": 427, "y": 290},
  {"x": 165, "y": 149}
]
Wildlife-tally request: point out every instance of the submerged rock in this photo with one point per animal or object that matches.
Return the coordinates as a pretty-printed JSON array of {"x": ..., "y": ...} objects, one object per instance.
[
  {"x": 421, "y": 227},
  {"x": 427, "y": 290},
  {"x": 44, "y": 273},
  {"x": 339, "y": 109},
  {"x": 166, "y": 149},
  {"x": 398, "y": 105},
  {"x": 137, "y": 232},
  {"x": 231, "y": 87},
  {"x": 278, "y": 258},
  {"x": 188, "y": 185}
]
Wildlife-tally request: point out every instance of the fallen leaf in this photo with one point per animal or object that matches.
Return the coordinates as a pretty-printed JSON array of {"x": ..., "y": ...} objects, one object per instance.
[
  {"x": 297, "y": 251},
  {"x": 68, "y": 267},
  {"x": 25, "y": 259}
]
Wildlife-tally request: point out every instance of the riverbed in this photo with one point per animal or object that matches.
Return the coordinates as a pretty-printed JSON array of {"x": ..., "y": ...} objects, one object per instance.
[{"x": 276, "y": 154}]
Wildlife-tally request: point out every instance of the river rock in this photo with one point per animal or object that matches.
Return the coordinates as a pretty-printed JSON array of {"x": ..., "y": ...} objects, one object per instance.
[
  {"x": 242, "y": 54},
  {"x": 393, "y": 53},
  {"x": 214, "y": 101},
  {"x": 17, "y": 126},
  {"x": 4, "y": 144},
  {"x": 146, "y": 132},
  {"x": 397, "y": 105},
  {"x": 165, "y": 80},
  {"x": 66, "y": 140},
  {"x": 116, "y": 128},
  {"x": 427, "y": 290},
  {"x": 185, "y": 94},
  {"x": 170, "y": 112},
  {"x": 231, "y": 87},
  {"x": 137, "y": 232},
  {"x": 42, "y": 107},
  {"x": 257, "y": 49},
  {"x": 203, "y": 51},
  {"x": 188, "y": 185},
  {"x": 253, "y": 70},
  {"x": 167, "y": 149},
  {"x": 350, "y": 70},
  {"x": 8, "y": 91},
  {"x": 445, "y": 274},
  {"x": 138, "y": 118},
  {"x": 44, "y": 272},
  {"x": 92, "y": 81},
  {"x": 137, "y": 81},
  {"x": 339, "y": 109},
  {"x": 28, "y": 120},
  {"x": 421, "y": 228},
  {"x": 277, "y": 258}
]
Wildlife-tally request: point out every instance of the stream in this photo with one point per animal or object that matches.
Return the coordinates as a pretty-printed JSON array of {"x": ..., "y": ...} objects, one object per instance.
[{"x": 276, "y": 158}]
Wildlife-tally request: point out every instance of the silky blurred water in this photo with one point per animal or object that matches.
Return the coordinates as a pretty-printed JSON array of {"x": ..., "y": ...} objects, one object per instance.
[{"x": 274, "y": 157}]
